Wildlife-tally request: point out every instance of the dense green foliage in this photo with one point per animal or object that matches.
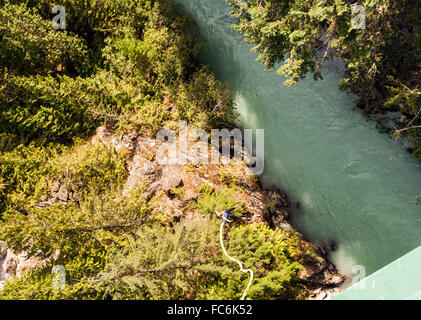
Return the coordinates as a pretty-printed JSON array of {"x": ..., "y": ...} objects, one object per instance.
[
  {"x": 382, "y": 61},
  {"x": 188, "y": 264},
  {"x": 126, "y": 64}
]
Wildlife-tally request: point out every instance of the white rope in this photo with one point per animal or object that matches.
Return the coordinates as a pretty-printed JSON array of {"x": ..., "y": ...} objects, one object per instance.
[{"x": 235, "y": 260}]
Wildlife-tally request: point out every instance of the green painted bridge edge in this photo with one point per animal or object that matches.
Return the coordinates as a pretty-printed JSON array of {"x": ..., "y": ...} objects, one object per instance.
[{"x": 399, "y": 280}]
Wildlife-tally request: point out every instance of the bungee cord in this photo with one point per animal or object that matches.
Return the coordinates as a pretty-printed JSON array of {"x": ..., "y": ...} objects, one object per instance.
[{"x": 233, "y": 259}]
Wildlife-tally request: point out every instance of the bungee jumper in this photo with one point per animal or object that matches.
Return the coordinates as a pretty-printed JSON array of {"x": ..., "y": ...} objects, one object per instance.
[{"x": 226, "y": 215}]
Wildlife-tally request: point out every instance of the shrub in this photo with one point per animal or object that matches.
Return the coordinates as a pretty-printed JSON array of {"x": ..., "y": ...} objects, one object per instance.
[
  {"x": 21, "y": 171},
  {"x": 42, "y": 108},
  {"x": 220, "y": 200}
]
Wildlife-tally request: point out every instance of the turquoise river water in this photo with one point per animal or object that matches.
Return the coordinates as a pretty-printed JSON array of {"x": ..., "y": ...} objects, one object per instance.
[{"x": 321, "y": 151}]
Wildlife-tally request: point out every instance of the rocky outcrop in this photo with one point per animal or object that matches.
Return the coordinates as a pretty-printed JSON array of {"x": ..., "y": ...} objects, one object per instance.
[
  {"x": 324, "y": 293},
  {"x": 15, "y": 264}
]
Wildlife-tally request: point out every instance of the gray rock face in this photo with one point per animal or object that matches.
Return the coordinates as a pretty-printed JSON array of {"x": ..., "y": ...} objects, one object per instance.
[
  {"x": 63, "y": 194},
  {"x": 171, "y": 178},
  {"x": 319, "y": 272},
  {"x": 279, "y": 197},
  {"x": 55, "y": 187},
  {"x": 12, "y": 264},
  {"x": 278, "y": 219},
  {"x": 324, "y": 293},
  {"x": 3, "y": 250}
]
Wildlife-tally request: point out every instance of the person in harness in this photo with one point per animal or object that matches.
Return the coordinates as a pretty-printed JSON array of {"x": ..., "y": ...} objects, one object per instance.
[{"x": 226, "y": 215}]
